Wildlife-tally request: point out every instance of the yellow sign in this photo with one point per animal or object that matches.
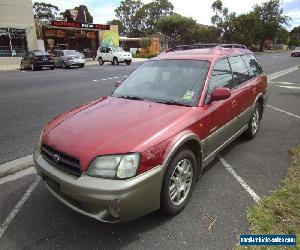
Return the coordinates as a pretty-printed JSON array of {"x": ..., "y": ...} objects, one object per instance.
[{"x": 109, "y": 38}]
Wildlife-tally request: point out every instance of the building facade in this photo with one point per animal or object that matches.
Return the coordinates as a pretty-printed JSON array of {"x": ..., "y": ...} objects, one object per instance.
[{"x": 17, "y": 29}]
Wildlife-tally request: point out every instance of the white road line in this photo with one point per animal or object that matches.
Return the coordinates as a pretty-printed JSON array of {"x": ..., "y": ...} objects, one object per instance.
[
  {"x": 283, "y": 111},
  {"x": 95, "y": 80},
  {"x": 16, "y": 165},
  {"x": 17, "y": 175},
  {"x": 109, "y": 78},
  {"x": 239, "y": 179},
  {"x": 287, "y": 87},
  {"x": 17, "y": 208},
  {"x": 281, "y": 73},
  {"x": 103, "y": 79},
  {"x": 116, "y": 77},
  {"x": 284, "y": 83}
]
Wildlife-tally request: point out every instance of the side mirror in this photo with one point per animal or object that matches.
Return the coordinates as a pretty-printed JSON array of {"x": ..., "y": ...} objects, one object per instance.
[
  {"x": 220, "y": 94},
  {"x": 118, "y": 83}
]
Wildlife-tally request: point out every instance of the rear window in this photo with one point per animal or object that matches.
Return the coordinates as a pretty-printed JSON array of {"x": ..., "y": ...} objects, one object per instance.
[{"x": 40, "y": 53}]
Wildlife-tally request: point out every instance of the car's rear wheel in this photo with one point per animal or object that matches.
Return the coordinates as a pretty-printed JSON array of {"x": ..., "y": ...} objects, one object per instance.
[
  {"x": 100, "y": 60},
  {"x": 178, "y": 182},
  {"x": 52, "y": 68},
  {"x": 254, "y": 122},
  {"x": 128, "y": 62},
  {"x": 115, "y": 61}
]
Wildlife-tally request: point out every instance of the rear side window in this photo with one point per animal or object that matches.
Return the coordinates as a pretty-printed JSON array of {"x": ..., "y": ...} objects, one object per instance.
[{"x": 239, "y": 70}]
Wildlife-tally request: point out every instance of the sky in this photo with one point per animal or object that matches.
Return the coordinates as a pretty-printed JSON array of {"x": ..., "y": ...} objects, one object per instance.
[{"x": 103, "y": 10}]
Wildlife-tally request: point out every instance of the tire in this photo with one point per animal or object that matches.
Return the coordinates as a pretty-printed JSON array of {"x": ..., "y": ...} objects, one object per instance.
[
  {"x": 128, "y": 62},
  {"x": 100, "y": 60},
  {"x": 52, "y": 68},
  {"x": 81, "y": 65},
  {"x": 115, "y": 61},
  {"x": 33, "y": 67},
  {"x": 254, "y": 122},
  {"x": 178, "y": 184},
  {"x": 64, "y": 65}
]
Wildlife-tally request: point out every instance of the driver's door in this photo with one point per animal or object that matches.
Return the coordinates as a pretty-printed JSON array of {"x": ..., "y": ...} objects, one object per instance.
[{"x": 219, "y": 122}]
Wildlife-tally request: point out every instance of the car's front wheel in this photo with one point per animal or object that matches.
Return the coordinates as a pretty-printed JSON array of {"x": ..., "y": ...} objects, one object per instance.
[
  {"x": 254, "y": 122},
  {"x": 178, "y": 182},
  {"x": 100, "y": 60},
  {"x": 128, "y": 62}
]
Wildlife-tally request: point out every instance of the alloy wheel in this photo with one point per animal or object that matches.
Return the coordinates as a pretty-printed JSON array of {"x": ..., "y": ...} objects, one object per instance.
[
  {"x": 180, "y": 182},
  {"x": 255, "y": 121}
]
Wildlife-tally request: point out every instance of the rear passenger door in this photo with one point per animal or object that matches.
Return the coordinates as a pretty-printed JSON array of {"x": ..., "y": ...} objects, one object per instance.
[
  {"x": 219, "y": 120},
  {"x": 241, "y": 90}
]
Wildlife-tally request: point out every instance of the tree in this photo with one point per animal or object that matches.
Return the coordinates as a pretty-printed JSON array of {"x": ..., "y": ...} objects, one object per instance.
[
  {"x": 294, "y": 37},
  {"x": 45, "y": 11},
  {"x": 141, "y": 19},
  {"x": 83, "y": 15},
  {"x": 177, "y": 27},
  {"x": 152, "y": 12},
  {"x": 130, "y": 14},
  {"x": 201, "y": 34},
  {"x": 223, "y": 19},
  {"x": 145, "y": 43},
  {"x": 120, "y": 25},
  {"x": 269, "y": 21}
]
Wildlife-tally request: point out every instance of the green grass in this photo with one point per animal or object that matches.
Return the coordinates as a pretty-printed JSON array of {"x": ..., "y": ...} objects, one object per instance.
[{"x": 279, "y": 213}]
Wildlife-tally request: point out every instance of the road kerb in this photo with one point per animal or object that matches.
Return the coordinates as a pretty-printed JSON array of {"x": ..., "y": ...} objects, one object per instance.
[{"x": 17, "y": 165}]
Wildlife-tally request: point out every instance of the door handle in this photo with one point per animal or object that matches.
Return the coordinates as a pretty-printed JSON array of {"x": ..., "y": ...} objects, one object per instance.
[
  {"x": 234, "y": 103},
  {"x": 254, "y": 90}
]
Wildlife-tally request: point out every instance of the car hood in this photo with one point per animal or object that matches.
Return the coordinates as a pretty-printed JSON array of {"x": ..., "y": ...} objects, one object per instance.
[{"x": 109, "y": 126}]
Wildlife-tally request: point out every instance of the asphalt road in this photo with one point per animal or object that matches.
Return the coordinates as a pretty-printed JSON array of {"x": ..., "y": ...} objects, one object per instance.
[{"x": 27, "y": 101}]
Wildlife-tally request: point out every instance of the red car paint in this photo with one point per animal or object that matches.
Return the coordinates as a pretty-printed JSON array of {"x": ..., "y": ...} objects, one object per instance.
[{"x": 115, "y": 126}]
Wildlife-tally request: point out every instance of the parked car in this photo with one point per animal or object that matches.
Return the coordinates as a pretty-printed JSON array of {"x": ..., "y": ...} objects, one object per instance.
[
  {"x": 37, "y": 59},
  {"x": 68, "y": 58},
  {"x": 142, "y": 148},
  {"x": 115, "y": 55},
  {"x": 296, "y": 52}
]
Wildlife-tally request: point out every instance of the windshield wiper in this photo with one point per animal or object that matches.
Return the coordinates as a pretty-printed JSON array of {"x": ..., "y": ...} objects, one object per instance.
[
  {"x": 174, "y": 103},
  {"x": 130, "y": 97}
]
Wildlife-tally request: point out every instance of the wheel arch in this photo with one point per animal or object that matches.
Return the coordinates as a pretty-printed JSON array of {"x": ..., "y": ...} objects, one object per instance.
[{"x": 190, "y": 141}]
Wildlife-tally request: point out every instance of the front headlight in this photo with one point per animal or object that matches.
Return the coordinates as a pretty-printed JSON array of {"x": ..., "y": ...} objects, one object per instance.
[{"x": 115, "y": 166}]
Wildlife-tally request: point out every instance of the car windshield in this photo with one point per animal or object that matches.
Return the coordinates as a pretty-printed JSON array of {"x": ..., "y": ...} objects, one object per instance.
[
  {"x": 71, "y": 52},
  {"x": 118, "y": 49},
  {"x": 167, "y": 81}
]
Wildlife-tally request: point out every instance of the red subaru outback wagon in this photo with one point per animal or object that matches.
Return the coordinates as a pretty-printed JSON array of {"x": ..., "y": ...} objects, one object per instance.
[{"x": 142, "y": 148}]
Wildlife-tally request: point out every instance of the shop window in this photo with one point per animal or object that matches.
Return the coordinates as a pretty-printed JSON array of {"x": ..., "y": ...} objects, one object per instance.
[{"x": 13, "y": 42}]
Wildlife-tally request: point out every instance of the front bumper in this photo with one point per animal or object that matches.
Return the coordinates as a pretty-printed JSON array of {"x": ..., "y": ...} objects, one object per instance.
[
  {"x": 75, "y": 62},
  {"x": 93, "y": 196}
]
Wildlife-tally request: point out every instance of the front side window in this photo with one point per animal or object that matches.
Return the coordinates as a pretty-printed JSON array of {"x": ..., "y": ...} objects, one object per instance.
[
  {"x": 166, "y": 81},
  {"x": 221, "y": 77},
  {"x": 239, "y": 70}
]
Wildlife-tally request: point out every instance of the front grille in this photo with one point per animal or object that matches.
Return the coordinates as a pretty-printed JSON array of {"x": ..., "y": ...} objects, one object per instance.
[{"x": 61, "y": 160}]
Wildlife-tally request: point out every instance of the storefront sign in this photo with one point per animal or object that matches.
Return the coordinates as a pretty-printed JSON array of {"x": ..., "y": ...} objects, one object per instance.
[{"x": 80, "y": 25}]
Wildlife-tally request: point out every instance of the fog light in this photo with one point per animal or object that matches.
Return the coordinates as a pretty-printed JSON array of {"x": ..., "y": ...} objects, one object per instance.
[{"x": 115, "y": 212}]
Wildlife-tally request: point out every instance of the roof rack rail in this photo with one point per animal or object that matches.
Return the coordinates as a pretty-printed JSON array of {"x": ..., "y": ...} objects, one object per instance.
[{"x": 204, "y": 46}]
